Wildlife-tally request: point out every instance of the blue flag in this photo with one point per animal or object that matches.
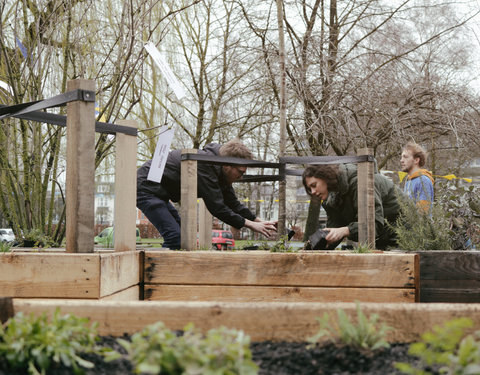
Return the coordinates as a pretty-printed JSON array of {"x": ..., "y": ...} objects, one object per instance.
[{"x": 22, "y": 48}]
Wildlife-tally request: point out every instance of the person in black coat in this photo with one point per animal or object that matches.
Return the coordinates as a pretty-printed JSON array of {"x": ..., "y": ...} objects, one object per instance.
[{"x": 214, "y": 187}]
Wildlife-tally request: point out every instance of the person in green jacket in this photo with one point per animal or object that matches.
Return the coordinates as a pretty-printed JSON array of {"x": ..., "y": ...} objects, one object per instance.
[{"x": 336, "y": 187}]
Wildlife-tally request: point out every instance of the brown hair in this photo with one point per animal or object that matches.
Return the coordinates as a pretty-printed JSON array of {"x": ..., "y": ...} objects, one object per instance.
[
  {"x": 325, "y": 172},
  {"x": 417, "y": 152},
  {"x": 236, "y": 149}
]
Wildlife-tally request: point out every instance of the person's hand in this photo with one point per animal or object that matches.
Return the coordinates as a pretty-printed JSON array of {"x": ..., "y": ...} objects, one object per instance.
[
  {"x": 264, "y": 227},
  {"x": 336, "y": 234}
]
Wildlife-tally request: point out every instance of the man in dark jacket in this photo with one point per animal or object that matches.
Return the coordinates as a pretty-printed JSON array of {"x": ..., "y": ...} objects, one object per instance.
[
  {"x": 336, "y": 187},
  {"x": 214, "y": 187}
]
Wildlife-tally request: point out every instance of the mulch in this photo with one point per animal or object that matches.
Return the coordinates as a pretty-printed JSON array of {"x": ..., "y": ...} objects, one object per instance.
[{"x": 276, "y": 358}]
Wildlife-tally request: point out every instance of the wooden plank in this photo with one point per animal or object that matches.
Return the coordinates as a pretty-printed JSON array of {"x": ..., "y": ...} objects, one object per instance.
[
  {"x": 188, "y": 208},
  {"x": 342, "y": 269},
  {"x": 449, "y": 265},
  {"x": 205, "y": 220},
  {"x": 366, "y": 200},
  {"x": 125, "y": 211},
  {"x": 119, "y": 271},
  {"x": 449, "y": 276},
  {"x": 278, "y": 321},
  {"x": 66, "y": 275},
  {"x": 275, "y": 294},
  {"x": 50, "y": 275},
  {"x": 129, "y": 294},
  {"x": 463, "y": 291},
  {"x": 80, "y": 187}
]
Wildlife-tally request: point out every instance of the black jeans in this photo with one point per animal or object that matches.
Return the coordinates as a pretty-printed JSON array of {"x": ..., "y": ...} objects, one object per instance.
[{"x": 163, "y": 216}]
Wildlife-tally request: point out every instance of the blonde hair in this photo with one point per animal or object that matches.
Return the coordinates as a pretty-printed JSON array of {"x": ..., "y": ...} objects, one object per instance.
[{"x": 417, "y": 152}]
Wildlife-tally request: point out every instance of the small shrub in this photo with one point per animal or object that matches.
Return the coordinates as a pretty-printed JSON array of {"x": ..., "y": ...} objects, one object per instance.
[
  {"x": 461, "y": 206},
  {"x": 416, "y": 230},
  {"x": 35, "y": 344},
  {"x": 447, "y": 348},
  {"x": 36, "y": 238},
  {"x": 5, "y": 247},
  {"x": 362, "y": 249},
  {"x": 366, "y": 333},
  {"x": 158, "y": 350},
  {"x": 281, "y": 246}
]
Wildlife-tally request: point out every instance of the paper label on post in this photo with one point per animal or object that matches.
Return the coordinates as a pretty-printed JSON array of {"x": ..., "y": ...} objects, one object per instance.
[
  {"x": 173, "y": 82},
  {"x": 161, "y": 154}
]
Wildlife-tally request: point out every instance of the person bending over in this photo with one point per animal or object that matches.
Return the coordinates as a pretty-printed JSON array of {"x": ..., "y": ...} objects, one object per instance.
[
  {"x": 336, "y": 187},
  {"x": 214, "y": 187}
]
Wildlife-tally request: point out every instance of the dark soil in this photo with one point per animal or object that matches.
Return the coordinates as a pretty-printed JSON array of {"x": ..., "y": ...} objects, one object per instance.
[{"x": 274, "y": 358}]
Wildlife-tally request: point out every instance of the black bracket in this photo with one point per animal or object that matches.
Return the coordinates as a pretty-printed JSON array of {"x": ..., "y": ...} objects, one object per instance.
[{"x": 56, "y": 101}]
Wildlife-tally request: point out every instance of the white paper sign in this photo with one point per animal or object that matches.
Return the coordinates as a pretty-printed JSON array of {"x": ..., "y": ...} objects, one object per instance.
[
  {"x": 161, "y": 154},
  {"x": 173, "y": 82}
]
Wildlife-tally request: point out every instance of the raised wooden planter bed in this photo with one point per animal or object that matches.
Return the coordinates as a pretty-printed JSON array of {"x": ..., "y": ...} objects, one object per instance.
[
  {"x": 278, "y": 321},
  {"x": 450, "y": 276},
  {"x": 65, "y": 275},
  {"x": 244, "y": 276}
]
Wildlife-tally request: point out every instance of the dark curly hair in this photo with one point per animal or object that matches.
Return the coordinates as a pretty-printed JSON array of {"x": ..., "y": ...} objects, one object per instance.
[{"x": 325, "y": 172}]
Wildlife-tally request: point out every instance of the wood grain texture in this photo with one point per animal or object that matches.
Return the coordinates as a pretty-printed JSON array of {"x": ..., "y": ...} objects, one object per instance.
[
  {"x": 66, "y": 275},
  {"x": 366, "y": 200},
  {"x": 278, "y": 321},
  {"x": 119, "y": 271},
  {"x": 80, "y": 176},
  {"x": 188, "y": 208},
  {"x": 275, "y": 294},
  {"x": 50, "y": 275},
  {"x": 326, "y": 269},
  {"x": 125, "y": 189},
  {"x": 450, "y": 276}
]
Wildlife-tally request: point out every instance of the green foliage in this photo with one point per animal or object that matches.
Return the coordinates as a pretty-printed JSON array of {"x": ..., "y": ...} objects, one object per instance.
[
  {"x": 37, "y": 238},
  {"x": 5, "y": 247},
  {"x": 362, "y": 248},
  {"x": 448, "y": 348},
  {"x": 461, "y": 207},
  {"x": 281, "y": 246},
  {"x": 416, "y": 230},
  {"x": 365, "y": 334},
  {"x": 34, "y": 344},
  {"x": 453, "y": 222},
  {"x": 158, "y": 350}
]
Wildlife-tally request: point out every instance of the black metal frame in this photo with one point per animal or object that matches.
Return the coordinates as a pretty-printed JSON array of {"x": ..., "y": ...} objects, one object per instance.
[
  {"x": 32, "y": 111},
  {"x": 281, "y": 165}
]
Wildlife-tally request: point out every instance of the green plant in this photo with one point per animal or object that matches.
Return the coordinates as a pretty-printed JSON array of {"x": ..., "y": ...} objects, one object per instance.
[
  {"x": 36, "y": 238},
  {"x": 34, "y": 344},
  {"x": 362, "y": 248},
  {"x": 365, "y": 333},
  {"x": 461, "y": 206},
  {"x": 158, "y": 350},
  {"x": 5, "y": 247},
  {"x": 448, "y": 348},
  {"x": 416, "y": 230},
  {"x": 281, "y": 246}
]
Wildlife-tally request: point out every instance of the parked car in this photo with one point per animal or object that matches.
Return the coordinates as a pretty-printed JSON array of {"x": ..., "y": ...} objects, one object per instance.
[
  {"x": 222, "y": 239},
  {"x": 6, "y": 235},
  {"x": 106, "y": 236}
]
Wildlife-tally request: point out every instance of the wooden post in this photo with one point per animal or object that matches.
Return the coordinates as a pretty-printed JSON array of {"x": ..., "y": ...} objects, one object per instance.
[
  {"x": 80, "y": 184},
  {"x": 366, "y": 200},
  {"x": 204, "y": 226},
  {"x": 188, "y": 211},
  {"x": 125, "y": 213}
]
